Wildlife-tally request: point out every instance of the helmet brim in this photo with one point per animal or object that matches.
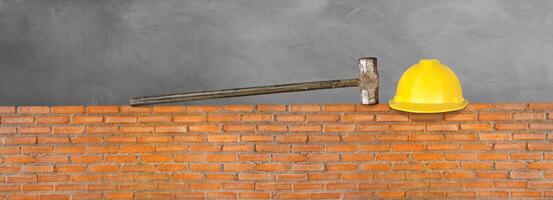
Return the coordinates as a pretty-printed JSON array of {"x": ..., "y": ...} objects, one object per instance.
[{"x": 427, "y": 108}]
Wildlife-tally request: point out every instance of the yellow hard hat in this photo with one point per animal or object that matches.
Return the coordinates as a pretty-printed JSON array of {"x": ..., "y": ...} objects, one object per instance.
[{"x": 428, "y": 87}]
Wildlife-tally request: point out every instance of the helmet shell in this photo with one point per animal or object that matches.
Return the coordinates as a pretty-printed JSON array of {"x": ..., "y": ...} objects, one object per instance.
[{"x": 428, "y": 87}]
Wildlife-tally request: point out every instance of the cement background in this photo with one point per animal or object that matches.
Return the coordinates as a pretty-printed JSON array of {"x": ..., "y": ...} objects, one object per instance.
[{"x": 59, "y": 52}]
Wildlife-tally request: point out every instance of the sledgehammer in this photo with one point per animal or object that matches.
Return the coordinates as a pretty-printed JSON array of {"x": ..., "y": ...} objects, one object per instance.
[{"x": 367, "y": 81}]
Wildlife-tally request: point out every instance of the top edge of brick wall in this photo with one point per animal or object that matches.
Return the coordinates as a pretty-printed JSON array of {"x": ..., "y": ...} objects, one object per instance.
[{"x": 107, "y": 109}]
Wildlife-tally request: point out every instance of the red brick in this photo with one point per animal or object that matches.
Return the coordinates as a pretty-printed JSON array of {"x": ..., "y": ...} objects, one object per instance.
[
  {"x": 305, "y": 108},
  {"x": 170, "y": 129},
  {"x": 222, "y": 138},
  {"x": 239, "y": 108},
  {"x": 460, "y": 117},
  {"x": 290, "y": 118},
  {"x": 392, "y": 137},
  {"x": 67, "y": 129},
  {"x": 372, "y": 127},
  {"x": 120, "y": 158},
  {"x": 540, "y": 105},
  {"x": 305, "y": 128},
  {"x": 120, "y": 119},
  {"x": 391, "y": 157},
  {"x": 493, "y": 156},
  {"x": 434, "y": 117},
  {"x": 34, "y": 130},
  {"x": 541, "y": 126},
  {"x": 495, "y": 136},
  {"x": 509, "y": 106},
  {"x": 272, "y": 148},
  {"x": 428, "y": 156},
  {"x": 205, "y": 128},
  {"x": 7, "y": 130},
  {"x": 272, "y": 167},
  {"x": 392, "y": 117},
  {"x": 495, "y": 116},
  {"x": 188, "y": 118},
  {"x": 526, "y": 156},
  {"x": 291, "y": 138},
  {"x": 476, "y": 147},
  {"x": 52, "y": 119},
  {"x": 37, "y": 169},
  {"x": 102, "y": 109},
  {"x": 373, "y": 108},
  {"x": 52, "y": 140},
  {"x": 36, "y": 149},
  {"x": 528, "y": 136},
  {"x": 17, "y": 119},
  {"x": 375, "y": 167},
  {"x": 540, "y": 165},
  {"x": 509, "y": 127},
  {"x": 525, "y": 174},
  {"x": 442, "y": 165},
  {"x": 341, "y": 148},
  {"x": 408, "y": 127},
  {"x": 306, "y": 148},
  {"x": 529, "y": 116},
  {"x": 86, "y": 119},
  {"x": 417, "y": 137},
  {"x": 442, "y": 127},
  {"x": 323, "y": 157},
  {"x": 20, "y": 140},
  {"x": 190, "y": 139},
  {"x": 510, "y": 165},
  {"x": 390, "y": 194},
  {"x": 169, "y": 109},
  {"x": 253, "y": 157},
  {"x": 21, "y": 179},
  {"x": 308, "y": 167},
  {"x": 102, "y": 129},
  {"x": 357, "y": 117},
  {"x": 236, "y": 148},
  {"x": 136, "y": 129},
  {"x": 339, "y": 127},
  {"x": 530, "y": 194},
  {"x": 256, "y": 138},
  {"x": 477, "y": 166},
  {"x": 136, "y": 149},
  {"x": 272, "y": 128},
  {"x": 442, "y": 147},
  {"x": 33, "y": 109},
  {"x": 511, "y": 146},
  {"x": 208, "y": 148},
  {"x": 323, "y": 118},
  {"x": 135, "y": 109},
  {"x": 476, "y": 127},
  {"x": 253, "y": 177},
  {"x": 7, "y": 109},
  {"x": 540, "y": 146},
  {"x": 408, "y": 147},
  {"x": 238, "y": 128},
  {"x": 257, "y": 117},
  {"x": 223, "y": 118},
  {"x": 86, "y": 139}
]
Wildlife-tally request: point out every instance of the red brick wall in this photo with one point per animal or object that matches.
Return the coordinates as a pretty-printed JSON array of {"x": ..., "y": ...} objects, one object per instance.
[{"x": 275, "y": 151}]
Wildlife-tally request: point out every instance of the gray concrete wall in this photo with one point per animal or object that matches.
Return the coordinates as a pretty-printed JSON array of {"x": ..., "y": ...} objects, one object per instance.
[{"x": 56, "y": 52}]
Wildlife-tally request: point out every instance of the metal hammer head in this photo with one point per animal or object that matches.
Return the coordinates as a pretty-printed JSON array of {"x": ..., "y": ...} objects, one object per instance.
[{"x": 368, "y": 80}]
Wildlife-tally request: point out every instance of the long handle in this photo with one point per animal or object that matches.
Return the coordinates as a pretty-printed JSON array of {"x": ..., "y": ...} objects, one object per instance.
[{"x": 270, "y": 89}]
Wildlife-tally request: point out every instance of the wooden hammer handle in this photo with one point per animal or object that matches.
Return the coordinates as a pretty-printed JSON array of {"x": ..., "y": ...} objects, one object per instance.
[{"x": 270, "y": 89}]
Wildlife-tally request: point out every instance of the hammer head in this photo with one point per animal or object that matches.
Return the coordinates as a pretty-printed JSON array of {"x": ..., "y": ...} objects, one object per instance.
[{"x": 368, "y": 80}]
